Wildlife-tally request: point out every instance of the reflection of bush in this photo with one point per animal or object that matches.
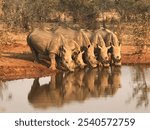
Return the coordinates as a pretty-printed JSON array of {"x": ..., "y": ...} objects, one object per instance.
[
  {"x": 78, "y": 86},
  {"x": 140, "y": 87},
  {"x": 4, "y": 93}
]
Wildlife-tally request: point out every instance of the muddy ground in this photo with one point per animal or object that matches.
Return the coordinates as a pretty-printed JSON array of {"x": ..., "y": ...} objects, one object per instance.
[{"x": 16, "y": 61}]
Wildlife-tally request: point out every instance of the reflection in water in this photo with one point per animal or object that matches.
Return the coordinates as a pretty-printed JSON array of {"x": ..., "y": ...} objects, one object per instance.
[
  {"x": 140, "y": 87},
  {"x": 45, "y": 95},
  {"x": 78, "y": 86},
  {"x": 125, "y": 89},
  {"x": 5, "y": 95},
  {"x": 4, "y": 92}
]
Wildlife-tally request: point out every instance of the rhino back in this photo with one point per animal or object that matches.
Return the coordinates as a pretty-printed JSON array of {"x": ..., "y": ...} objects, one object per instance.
[
  {"x": 42, "y": 41},
  {"x": 105, "y": 33},
  {"x": 67, "y": 32}
]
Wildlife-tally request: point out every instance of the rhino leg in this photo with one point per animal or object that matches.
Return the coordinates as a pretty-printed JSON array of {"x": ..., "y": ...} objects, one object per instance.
[
  {"x": 35, "y": 55},
  {"x": 53, "y": 61}
]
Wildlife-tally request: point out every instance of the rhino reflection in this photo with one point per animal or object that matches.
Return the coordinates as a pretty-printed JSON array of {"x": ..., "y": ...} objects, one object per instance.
[
  {"x": 109, "y": 81},
  {"x": 78, "y": 86},
  {"x": 47, "y": 94},
  {"x": 115, "y": 80},
  {"x": 103, "y": 82},
  {"x": 90, "y": 82},
  {"x": 73, "y": 86}
]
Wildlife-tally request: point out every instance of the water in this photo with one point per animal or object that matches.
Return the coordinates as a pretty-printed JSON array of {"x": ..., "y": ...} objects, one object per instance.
[{"x": 125, "y": 89}]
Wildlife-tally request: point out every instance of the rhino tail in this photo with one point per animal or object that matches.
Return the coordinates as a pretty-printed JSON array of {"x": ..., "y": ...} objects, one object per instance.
[{"x": 76, "y": 45}]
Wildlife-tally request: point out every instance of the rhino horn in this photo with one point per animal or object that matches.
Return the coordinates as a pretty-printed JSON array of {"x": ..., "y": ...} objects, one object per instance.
[
  {"x": 101, "y": 40},
  {"x": 63, "y": 39},
  {"x": 64, "y": 49},
  {"x": 99, "y": 46},
  {"x": 87, "y": 41}
]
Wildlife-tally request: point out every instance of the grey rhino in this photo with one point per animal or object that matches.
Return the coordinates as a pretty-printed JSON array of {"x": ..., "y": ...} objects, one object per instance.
[
  {"x": 83, "y": 41},
  {"x": 51, "y": 44},
  {"x": 111, "y": 39}
]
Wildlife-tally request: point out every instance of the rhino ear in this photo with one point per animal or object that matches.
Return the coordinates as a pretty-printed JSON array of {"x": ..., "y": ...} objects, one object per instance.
[
  {"x": 99, "y": 46},
  {"x": 74, "y": 56},
  {"x": 110, "y": 40},
  {"x": 82, "y": 52},
  {"x": 119, "y": 43},
  {"x": 64, "y": 49},
  {"x": 78, "y": 52},
  {"x": 74, "y": 50},
  {"x": 108, "y": 47}
]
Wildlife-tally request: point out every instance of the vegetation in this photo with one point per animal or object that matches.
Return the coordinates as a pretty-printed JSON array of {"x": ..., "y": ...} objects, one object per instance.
[
  {"x": 84, "y": 12},
  {"x": 90, "y": 14}
]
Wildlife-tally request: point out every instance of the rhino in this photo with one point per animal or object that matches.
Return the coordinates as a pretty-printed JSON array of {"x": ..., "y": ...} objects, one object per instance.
[
  {"x": 89, "y": 56},
  {"x": 83, "y": 41},
  {"x": 111, "y": 39},
  {"x": 101, "y": 51},
  {"x": 52, "y": 44}
]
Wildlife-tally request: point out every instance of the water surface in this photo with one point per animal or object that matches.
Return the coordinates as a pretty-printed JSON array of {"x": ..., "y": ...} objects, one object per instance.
[{"x": 125, "y": 89}]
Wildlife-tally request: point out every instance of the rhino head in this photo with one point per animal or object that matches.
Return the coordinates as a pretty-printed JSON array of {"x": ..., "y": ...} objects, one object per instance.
[
  {"x": 116, "y": 49},
  {"x": 79, "y": 60},
  {"x": 91, "y": 56},
  {"x": 102, "y": 52},
  {"x": 116, "y": 54},
  {"x": 104, "y": 58},
  {"x": 67, "y": 60}
]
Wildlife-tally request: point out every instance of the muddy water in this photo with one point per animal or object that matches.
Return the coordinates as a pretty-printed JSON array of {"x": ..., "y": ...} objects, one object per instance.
[{"x": 125, "y": 89}]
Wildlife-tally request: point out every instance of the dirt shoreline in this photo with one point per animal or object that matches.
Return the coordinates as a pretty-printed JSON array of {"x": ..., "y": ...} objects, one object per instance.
[{"x": 16, "y": 61}]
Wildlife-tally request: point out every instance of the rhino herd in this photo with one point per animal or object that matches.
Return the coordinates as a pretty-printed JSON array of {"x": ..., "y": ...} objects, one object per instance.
[{"x": 72, "y": 49}]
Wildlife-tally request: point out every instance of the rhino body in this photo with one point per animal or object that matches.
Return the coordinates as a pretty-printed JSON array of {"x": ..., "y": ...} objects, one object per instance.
[{"x": 51, "y": 44}]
